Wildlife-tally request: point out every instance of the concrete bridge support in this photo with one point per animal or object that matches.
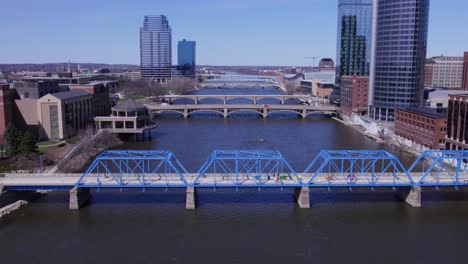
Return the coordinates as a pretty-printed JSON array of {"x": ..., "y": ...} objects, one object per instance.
[
  {"x": 410, "y": 195},
  {"x": 190, "y": 202},
  {"x": 1, "y": 189},
  {"x": 303, "y": 197},
  {"x": 78, "y": 198}
]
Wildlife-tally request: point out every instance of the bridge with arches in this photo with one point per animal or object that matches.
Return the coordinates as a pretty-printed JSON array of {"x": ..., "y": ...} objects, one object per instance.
[
  {"x": 256, "y": 169},
  {"x": 239, "y": 80},
  {"x": 259, "y": 104}
]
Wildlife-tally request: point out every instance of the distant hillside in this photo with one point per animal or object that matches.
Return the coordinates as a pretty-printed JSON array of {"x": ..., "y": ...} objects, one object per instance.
[{"x": 53, "y": 67}]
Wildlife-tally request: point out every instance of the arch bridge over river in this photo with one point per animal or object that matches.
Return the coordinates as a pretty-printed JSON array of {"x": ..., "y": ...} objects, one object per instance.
[
  {"x": 303, "y": 107},
  {"x": 254, "y": 169},
  {"x": 219, "y": 80}
]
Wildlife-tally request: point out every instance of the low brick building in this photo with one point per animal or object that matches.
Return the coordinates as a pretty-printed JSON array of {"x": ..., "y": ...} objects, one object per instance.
[
  {"x": 457, "y": 122},
  {"x": 424, "y": 126},
  {"x": 354, "y": 95}
]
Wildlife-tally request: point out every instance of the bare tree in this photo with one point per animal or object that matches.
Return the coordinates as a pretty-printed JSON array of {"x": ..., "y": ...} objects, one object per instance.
[
  {"x": 181, "y": 85},
  {"x": 142, "y": 87},
  {"x": 291, "y": 87}
]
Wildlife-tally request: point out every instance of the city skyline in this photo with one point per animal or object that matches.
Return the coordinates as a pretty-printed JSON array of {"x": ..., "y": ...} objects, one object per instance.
[{"x": 223, "y": 38}]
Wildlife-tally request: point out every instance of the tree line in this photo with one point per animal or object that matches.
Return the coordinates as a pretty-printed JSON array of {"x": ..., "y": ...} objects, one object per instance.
[{"x": 17, "y": 143}]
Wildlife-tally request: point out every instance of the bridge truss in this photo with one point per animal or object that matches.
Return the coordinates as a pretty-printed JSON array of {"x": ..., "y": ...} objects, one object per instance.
[
  {"x": 268, "y": 169},
  {"x": 441, "y": 168},
  {"x": 248, "y": 169},
  {"x": 134, "y": 169},
  {"x": 356, "y": 168}
]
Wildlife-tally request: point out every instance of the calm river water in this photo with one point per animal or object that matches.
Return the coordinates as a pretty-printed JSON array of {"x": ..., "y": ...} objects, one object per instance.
[{"x": 246, "y": 226}]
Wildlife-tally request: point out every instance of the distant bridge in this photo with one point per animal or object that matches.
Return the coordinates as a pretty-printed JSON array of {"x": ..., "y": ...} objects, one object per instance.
[
  {"x": 254, "y": 169},
  {"x": 239, "y": 80},
  {"x": 227, "y": 110},
  {"x": 254, "y": 99},
  {"x": 258, "y": 106}
]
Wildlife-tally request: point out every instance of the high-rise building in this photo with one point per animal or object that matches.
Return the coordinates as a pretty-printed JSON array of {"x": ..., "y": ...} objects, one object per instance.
[
  {"x": 465, "y": 71},
  {"x": 399, "y": 29},
  {"x": 155, "y": 48},
  {"x": 186, "y": 57},
  {"x": 444, "y": 72},
  {"x": 354, "y": 38}
]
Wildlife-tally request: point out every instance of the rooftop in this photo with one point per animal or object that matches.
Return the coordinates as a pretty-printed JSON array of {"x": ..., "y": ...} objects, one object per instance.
[
  {"x": 446, "y": 93},
  {"x": 130, "y": 104},
  {"x": 429, "y": 112},
  {"x": 70, "y": 94}
]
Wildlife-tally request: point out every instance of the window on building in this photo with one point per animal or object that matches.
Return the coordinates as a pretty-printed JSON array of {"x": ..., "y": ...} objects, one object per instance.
[{"x": 119, "y": 124}]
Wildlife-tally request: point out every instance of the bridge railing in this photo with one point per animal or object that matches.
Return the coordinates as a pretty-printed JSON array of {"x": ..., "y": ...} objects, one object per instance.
[
  {"x": 259, "y": 169},
  {"x": 134, "y": 169},
  {"x": 356, "y": 168},
  {"x": 246, "y": 168},
  {"x": 442, "y": 168}
]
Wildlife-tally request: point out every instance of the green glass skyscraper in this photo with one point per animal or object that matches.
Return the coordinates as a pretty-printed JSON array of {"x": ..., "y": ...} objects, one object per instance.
[{"x": 354, "y": 38}]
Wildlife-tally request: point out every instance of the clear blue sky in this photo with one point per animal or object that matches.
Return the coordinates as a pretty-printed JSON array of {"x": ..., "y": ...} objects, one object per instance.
[{"x": 228, "y": 32}]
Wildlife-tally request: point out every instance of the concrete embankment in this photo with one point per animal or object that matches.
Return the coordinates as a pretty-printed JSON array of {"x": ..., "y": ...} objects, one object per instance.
[
  {"x": 372, "y": 131},
  {"x": 12, "y": 207},
  {"x": 11, "y": 200}
]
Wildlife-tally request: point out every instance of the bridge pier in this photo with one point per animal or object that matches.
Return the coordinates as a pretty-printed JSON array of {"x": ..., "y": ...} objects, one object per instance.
[
  {"x": 190, "y": 202},
  {"x": 225, "y": 113},
  {"x": 78, "y": 198},
  {"x": 410, "y": 195},
  {"x": 185, "y": 113},
  {"x": 303, "y": 197}
]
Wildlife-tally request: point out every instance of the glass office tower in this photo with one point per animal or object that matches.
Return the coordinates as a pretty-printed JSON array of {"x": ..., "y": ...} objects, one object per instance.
[
  {"x": 155, "y": 48},
  {"x": 397, "y": 65},
  {"x": 354, "y": 38},
  {"x": 186, "y": 57}
]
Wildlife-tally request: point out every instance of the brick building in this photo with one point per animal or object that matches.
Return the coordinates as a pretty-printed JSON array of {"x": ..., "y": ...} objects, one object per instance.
[
  {"x": 457, "y": 123},
  {"x": 7, "y": 97},
  {"x": 354, "y": 95},
  {"x": 465, "y": 71},
  {"x": 428, "y": 74},
  {"x": 422, "y": 125},
  {"x": 101, "y": 97}
]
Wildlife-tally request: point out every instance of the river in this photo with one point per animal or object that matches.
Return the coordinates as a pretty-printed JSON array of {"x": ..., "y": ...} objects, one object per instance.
[{"x": 246, "y": 226}]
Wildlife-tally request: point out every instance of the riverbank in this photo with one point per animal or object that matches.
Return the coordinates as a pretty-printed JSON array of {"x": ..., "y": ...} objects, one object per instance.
[
  {"x": 376, "y": 131},
  {"x": 11, "y": 201}
]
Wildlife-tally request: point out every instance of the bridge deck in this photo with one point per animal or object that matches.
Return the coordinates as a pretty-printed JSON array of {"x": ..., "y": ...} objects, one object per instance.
[{"x": 322, "y": 180}]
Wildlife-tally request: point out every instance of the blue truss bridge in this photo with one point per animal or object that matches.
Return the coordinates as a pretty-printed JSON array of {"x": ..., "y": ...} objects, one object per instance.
[{"x": 257, "y": 169}]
